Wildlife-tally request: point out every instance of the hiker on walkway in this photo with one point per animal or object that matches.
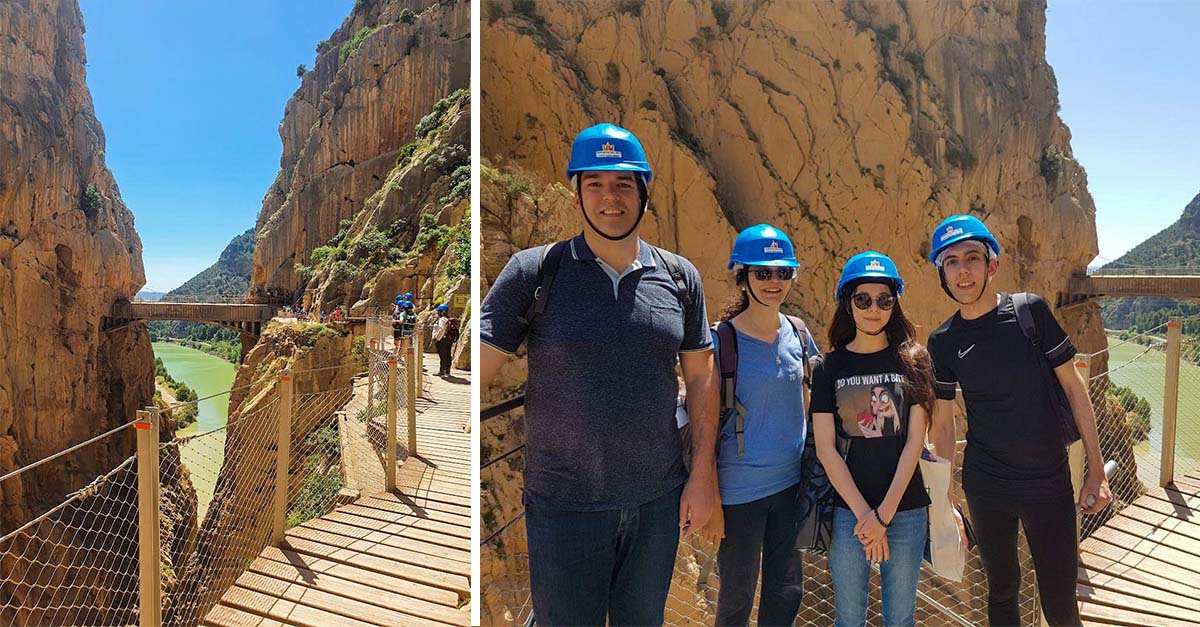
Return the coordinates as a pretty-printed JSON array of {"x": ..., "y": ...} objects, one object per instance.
[
  {"x": 605, "y": 499},
  {"x": 397, "y": 327},
  {"x": 758, "y": 462},
  {"x": 1025, "y": 402},
  {"x": 442, "y": 339},
  {"x": 871, "y": 400}
]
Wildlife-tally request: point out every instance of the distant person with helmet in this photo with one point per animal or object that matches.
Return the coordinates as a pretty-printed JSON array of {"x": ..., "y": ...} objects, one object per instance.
[
  {"x": 1025, "y": 403},
  {"x": 871, "y": 401},
  {"x": 442, "y": 339},
  {"x": 762, "y": 439},
  {"x": 606, "y": 318}
]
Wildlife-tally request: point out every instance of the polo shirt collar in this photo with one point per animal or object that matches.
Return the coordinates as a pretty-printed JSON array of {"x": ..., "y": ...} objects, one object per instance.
[{"x": 580, "y": 251}]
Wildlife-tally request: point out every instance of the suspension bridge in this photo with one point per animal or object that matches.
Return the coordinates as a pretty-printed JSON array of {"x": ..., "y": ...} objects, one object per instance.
[{"x": 335, "y": 495}]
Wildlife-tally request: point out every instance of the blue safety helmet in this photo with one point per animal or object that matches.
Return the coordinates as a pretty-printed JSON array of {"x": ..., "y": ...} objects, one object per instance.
[
  {"x": 869, "y": 265},
  {"x": 399, "y": 299},
  {"x": 961, "y": 228},
  {"x": 608, "y": 147},
  {"x": 442, "y": 307},
  {"x": 763, "y": 245},
  {"x": 408, "y": 296}
]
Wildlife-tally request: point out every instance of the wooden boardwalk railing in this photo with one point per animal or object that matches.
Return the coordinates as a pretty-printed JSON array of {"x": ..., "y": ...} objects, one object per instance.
[{"x": 399, "y": 558}]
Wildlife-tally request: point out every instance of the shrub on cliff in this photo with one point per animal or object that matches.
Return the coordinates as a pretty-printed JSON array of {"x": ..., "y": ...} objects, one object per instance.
[{"x": 354, "y": 42}]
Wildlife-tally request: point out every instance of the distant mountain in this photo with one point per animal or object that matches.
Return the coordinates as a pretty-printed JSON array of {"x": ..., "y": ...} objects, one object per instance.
[
  {"x": 151, "y": 296},
  {"x": 1177, "y": 246},
  {"x": 229, "y": 276}
]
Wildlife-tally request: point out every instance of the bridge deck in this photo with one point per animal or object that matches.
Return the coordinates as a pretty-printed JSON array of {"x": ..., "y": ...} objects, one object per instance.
[
  {"x": 1142, "y": 568},
  {"x": 387, "y": 559}
]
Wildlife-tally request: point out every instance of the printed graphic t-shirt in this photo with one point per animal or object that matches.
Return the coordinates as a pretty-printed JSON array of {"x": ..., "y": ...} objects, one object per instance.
[{"x": 865, "y": 394}]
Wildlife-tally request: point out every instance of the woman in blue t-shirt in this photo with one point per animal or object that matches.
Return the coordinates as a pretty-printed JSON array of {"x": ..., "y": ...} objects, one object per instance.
[
  {"x": 758, "y": 469},
  {"x": 874, "y": 390}
]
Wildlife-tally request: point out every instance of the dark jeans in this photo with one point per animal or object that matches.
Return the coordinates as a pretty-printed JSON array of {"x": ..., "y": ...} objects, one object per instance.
[
  {"x": 1050, "y": 530},
  {"x": 586, "y": 567},
  {"x": 764, "y": 528},
  {"x": 443, "y": 348}
]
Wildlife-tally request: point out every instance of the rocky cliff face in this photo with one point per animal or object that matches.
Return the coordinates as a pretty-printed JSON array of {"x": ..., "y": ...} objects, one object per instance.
[
  {"x": 375, "y": 79},
  {"x": 68, "y": 249},
  {"x": 851, "y": 125}
]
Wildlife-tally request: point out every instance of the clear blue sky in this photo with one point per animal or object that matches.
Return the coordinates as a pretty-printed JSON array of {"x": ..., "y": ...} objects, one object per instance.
[
  {"x": 190, "y": 95},
  {"x": 1127, "y": 80}
]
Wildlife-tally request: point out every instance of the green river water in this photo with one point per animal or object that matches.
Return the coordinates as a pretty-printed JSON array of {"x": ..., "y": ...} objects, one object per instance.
[{"x": 207, "y": 375}]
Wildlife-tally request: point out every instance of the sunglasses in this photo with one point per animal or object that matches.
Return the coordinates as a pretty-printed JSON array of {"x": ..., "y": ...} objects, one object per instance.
[
  {"x": 863, "y": 301},
  {"x": 765, "y": 274}
]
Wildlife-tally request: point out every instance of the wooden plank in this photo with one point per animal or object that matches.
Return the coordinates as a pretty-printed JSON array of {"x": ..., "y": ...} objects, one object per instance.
[
  {"x": 422, "y": 554},
  {"x": 358, "y": 612},
  {"x": 415, "y": 528},
  {"x": 373, "y": 578},
  {"x": 1101, "y": 580},
  {"x": 1122, "y": 553},
  {"x": 293, "y": 613},
  {"x": 1117, "y": 616},
  {"x": 392, "y": 515},
  {"x": 224, "y": 616},
  {"x": 415, "y": 608},
  {"x": 1099, "y": 567},
  {"x": 372, "y": 562},
  {"x": 1163, "y": 520},
  {"x": 403, "y": 567},
  {"x": 376, "y": 500},
  {"x": 1187, "y": 549},
  {"x": 1123, "y": 600}
]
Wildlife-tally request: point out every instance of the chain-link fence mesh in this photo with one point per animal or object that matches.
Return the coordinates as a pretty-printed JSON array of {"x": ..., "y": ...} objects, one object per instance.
[{"x": 78, "y": 563}]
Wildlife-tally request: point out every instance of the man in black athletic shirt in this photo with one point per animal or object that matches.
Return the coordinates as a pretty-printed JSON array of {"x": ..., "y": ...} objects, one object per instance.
[{"x": 1015, "y": 464}]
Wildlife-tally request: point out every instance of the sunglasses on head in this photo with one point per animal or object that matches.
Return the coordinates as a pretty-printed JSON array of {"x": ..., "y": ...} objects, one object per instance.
[
  {"x": 765, "y": 274},
  {"x": 863, "y": 300}
]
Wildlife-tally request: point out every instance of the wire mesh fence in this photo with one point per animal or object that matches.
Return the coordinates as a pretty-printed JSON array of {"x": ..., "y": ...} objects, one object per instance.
[{"x": 78, "y": 564}]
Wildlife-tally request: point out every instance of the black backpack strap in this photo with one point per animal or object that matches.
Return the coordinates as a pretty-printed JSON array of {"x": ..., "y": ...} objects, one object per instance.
[
  {"x": 675, "y": 269},
  {"x": 551, "y": 259},
  {"x": 727, "y": 361},
  {"x": 1025, "y": 318}
]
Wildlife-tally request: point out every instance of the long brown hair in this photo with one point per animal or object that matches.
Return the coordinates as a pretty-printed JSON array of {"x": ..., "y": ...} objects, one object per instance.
[
  {"x": 739, "y": 303},
  {"x": 915, "y": 363}
]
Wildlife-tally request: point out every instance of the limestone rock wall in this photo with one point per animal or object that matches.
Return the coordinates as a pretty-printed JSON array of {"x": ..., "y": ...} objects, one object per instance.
[
  {"x": 68, "y": 250},
  {"x": 344, "y": 127},
  {"x": 851, "y": 125}
]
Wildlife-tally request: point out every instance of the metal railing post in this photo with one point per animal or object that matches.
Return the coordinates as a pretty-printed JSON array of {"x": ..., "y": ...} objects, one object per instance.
[
  {"x": 1166, "y": 467},
  {"x": 283, "y": 451},
  {"x": 411, "y": 398},
  {"x": 1075, "y": 454},
  {"x": 419, "y": 344},
  {"x": 371, "y": 382},
  {"x": 389, "y": 472},
  {"x": 149, "y": 540}
]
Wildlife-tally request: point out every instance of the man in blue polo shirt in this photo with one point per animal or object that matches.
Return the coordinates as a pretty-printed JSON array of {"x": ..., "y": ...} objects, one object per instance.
[{"x": 606, "y": 318}]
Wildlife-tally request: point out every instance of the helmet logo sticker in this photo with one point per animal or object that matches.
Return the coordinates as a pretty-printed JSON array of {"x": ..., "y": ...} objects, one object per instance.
[
  {"x": 874, "y": 266},
  {"x": 951, "y": 232},
  {"x": 774, "y": 248},
  {"x": 608, "y": 151}
]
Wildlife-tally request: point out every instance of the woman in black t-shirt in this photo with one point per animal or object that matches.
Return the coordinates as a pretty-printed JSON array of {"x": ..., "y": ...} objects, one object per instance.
[{"x": 874, "y": 391}]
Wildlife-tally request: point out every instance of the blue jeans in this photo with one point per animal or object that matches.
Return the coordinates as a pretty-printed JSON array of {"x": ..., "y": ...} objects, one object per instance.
[
  {"x": 614, "y": 566},
  {"x": 898, "y": 576}
]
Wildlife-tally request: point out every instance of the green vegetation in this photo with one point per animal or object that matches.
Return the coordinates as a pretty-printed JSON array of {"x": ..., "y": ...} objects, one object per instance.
[
  {"x": 459, "y": 239},
  {"x": 917, "y": 61},
  {"x": 1051, "y": 163},
  {"x": 406, "y": 16},
  {"x": 1137, "y": 412},
  {"x": 91, "y": 202},
  {"x": 430, "y": 231},
  {"x": 354, "y": 42},
  {"x": 322, "y": 475},
  {"x": 460, "y": 185},
  {"x": 184, "y": 414},
  {"x": 720, "y": 14},
  {"x": 631, "y": 7},
  {"x": 300, "y": 70}
]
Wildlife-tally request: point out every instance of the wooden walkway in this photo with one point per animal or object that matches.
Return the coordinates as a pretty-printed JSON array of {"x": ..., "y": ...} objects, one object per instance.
[
  {"x": 1142, "y": 568},
  {"x": 385, "y": 559}
]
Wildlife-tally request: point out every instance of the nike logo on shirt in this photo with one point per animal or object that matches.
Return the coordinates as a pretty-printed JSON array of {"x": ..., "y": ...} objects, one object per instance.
[{"x": 963, "y": 353}]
